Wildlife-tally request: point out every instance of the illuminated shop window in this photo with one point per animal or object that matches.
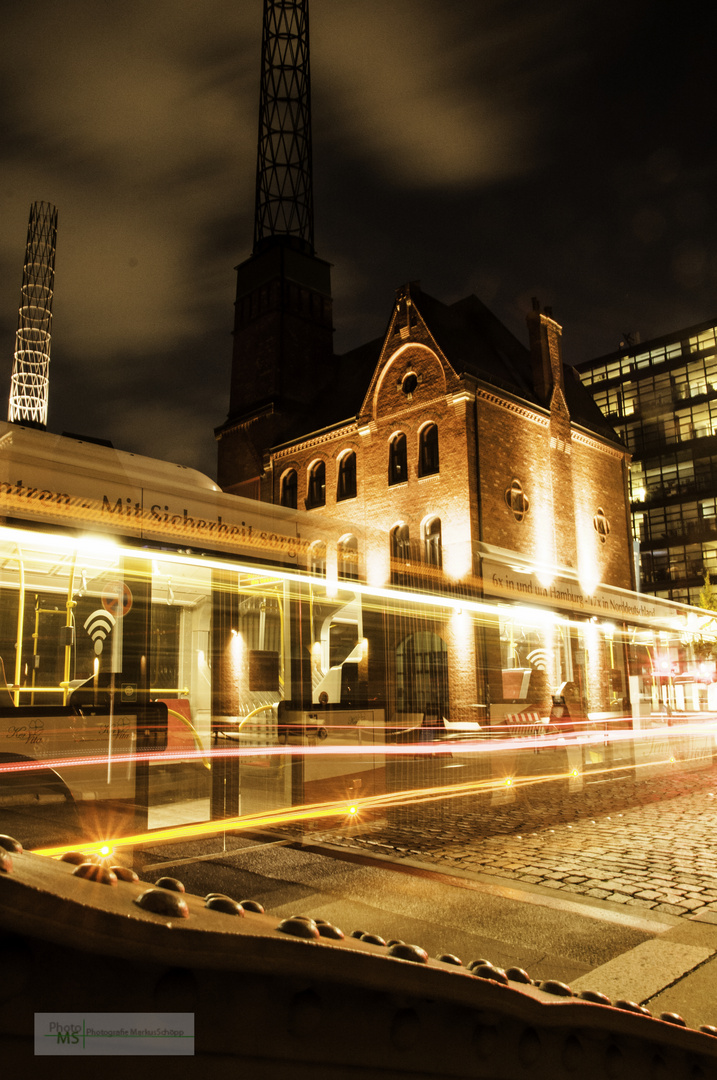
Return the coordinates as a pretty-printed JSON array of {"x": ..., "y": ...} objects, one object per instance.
[
  {"x": 516, "y": 500},
  {"x": 428, "y": 463},
  {"x": 432, "y": 548},
  {"x": 601, "y": 525},
  {"x": 289, "y": 485},
  {"x": 397, "y": 460},
  {"x": 348, "y": 558},
  {"x": 422, "y": 675},
  {"x": 346, "y": 482},
  {"x": 316, "y": 495}
]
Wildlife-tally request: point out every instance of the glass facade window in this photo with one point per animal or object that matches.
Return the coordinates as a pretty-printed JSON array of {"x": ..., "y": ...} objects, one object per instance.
[{"x": 662, "y": 399}]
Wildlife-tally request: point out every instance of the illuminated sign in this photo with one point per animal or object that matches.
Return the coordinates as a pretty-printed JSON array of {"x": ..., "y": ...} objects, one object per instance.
[{"x": 505, "y": 581}]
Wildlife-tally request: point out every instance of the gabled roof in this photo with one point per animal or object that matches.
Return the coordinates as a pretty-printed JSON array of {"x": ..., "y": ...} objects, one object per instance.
[
  {"x": 474, "y": 341},
  {"x": 477, "y": 343}
]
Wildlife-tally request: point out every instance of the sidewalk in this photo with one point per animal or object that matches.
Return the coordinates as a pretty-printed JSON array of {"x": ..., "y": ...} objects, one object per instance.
[{"x": 654, "y": 854}]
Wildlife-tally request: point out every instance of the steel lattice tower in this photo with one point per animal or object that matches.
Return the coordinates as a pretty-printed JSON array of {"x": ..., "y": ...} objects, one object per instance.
[
  {"x": 284, "y": 197},
  {"x": 30, "y": 372}
]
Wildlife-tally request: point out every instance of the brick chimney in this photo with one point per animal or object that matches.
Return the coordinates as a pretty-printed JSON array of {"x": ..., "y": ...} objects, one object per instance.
[{"x": 546, "y": 352}]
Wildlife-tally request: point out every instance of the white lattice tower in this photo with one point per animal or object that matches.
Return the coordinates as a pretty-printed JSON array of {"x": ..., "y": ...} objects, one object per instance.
[{"x": 30, "y": 372}]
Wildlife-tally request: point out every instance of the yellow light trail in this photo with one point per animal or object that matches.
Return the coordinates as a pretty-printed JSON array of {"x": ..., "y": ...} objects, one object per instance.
[{"x": 319, "y": 811}]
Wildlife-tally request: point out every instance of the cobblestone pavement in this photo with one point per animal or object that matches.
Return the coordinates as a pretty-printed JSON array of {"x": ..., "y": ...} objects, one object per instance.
[{"x": 655, "y": 849}]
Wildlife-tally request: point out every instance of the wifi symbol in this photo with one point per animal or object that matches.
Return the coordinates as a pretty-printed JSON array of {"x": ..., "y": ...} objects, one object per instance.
[
  {"x": 99, "y": 626},
  {"x": 538, "y": 658}
]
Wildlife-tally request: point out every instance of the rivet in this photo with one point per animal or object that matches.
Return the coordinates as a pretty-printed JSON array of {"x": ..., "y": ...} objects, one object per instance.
[
  {"x": 708, "y": 1029},
  {"x": 252, "y": 905},
  {"x": 77, "y": 857},
  {"x": 673, "y": 1018},
  {"x": 393, "y": 941},
  {"x": 373, "y": 939},
  {"x": 95, "y": 872},
  {"x": 163, "y": 902},
  {"x": 328, "y": 930},
  {"x": 631, "y": 1006},
  {"x": 409, "y": 952},
  {"x": 594, "y": 997},
  {"x": 559, "y": 989},
  {"x": 303, "y": 928},
  {"x": 358, "y": 933},
  {"x": 170, "y": 883},
  {"x": 573, "y": 1053},
  {"x": 225, "y": 905},
  {"x": 450, "y": 958},
  {"x": 479, "y": 963},
  {"x": 9, "y": 844},
  {"x": 519, "y": 975},
  {"x": 488, "y": 971},
  {"x": 124, "y": 873}
]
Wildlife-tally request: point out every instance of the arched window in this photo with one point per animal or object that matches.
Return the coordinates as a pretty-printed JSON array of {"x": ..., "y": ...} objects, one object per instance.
[
  {"x": 432, "y": 549},
  {"x": 289, "y": 484},
  {"x": 400, "y": 543},
  {"x": 400, "y": 554},
  {"x": 316, "y": 493},
  {"x": 428, "y": 450},
  {"x": 346, "y": 482},
  {"x": 397, "y": 463},
  {"x": 348, "y": 558},
  {"x": 317, "y": 558}
]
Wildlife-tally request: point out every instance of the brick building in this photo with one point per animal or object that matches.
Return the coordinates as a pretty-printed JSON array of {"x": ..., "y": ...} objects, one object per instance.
[
  {"x": 448, "y": 441},
  {"x": 467, "y": 462}
]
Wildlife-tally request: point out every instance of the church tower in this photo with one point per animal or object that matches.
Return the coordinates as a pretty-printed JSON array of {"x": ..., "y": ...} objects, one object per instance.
[{"x": 283, "y": 322}]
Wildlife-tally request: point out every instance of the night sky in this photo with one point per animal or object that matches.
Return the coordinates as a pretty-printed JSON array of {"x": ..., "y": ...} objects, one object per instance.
[{"x": 563, "y": 149}]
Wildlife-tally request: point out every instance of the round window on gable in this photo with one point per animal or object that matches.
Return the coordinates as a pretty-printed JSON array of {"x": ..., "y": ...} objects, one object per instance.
[
  {"x": 601, "y": 525},
  {"x": 516, "y": 500},
  {"x": 409, "y": 384}
]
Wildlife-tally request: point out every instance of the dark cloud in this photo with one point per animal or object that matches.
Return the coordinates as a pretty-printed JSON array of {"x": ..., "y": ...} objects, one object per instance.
[{"x": 562, "y": 149}]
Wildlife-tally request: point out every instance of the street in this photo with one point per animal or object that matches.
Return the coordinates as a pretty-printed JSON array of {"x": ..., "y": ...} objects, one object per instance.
[{"x": 624, "y": 902}]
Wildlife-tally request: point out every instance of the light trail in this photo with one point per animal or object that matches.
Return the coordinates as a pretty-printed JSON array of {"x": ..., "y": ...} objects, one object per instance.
[
  {"x": 445, "y": 748},
  {"x": 344, "y": 809}
]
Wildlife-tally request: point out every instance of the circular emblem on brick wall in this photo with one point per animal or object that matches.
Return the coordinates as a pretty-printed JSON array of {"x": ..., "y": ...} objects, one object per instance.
[
  {"x": 517, "y": 500},
  {"x": 601, "y": 525}
]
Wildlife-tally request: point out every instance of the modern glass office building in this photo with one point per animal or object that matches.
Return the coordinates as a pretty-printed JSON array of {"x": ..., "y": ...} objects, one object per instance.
[{"x": 661, "y": 398}]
